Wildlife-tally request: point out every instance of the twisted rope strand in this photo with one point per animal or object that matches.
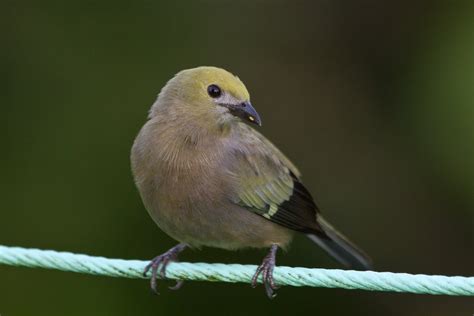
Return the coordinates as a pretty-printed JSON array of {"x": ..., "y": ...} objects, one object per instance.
[{"x": 362, "y": 280}]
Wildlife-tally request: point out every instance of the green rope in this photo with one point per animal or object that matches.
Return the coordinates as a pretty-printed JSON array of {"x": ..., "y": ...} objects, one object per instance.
[{"x": 363, "y": 280}]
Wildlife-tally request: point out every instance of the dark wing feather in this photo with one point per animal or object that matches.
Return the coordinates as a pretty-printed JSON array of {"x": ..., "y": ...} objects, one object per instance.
[
  {"x": 299, "y": 211},
  {"x": 268, "y": 185}
]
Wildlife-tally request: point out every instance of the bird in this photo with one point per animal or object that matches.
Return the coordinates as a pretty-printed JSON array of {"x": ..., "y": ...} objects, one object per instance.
[{"x": 208, "y": 178}]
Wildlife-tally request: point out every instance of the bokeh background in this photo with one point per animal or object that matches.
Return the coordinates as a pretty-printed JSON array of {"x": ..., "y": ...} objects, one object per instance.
[{"x": 373, "y": 100}]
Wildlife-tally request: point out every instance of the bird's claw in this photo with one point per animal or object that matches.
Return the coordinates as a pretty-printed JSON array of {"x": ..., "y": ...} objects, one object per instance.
[
  {"x": 163, "y": 260},
  {"x": 266, "y": 270},
  {"x": 177, "y": 286}
]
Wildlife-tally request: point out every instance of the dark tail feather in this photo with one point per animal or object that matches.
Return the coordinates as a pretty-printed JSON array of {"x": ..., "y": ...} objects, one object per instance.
[{"x": 338, "y": 246}]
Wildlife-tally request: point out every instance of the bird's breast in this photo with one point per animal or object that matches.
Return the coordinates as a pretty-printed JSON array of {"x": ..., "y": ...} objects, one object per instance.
[
  {"x": 180, "y": 174},
  {"x": 189, "y": 191}
]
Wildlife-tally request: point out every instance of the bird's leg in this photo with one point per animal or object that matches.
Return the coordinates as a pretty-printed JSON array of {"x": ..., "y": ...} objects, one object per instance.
[
  {"x": 163, "y": 260},
  {"x": 266, "y": 270}
]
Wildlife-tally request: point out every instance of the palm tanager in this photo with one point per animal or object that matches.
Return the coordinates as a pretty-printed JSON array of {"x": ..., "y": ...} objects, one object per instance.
[{"x": 209, "y": 179}]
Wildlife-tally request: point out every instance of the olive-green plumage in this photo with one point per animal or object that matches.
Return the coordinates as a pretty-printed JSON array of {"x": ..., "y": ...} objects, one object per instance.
[{"x": 208, "y": 179}]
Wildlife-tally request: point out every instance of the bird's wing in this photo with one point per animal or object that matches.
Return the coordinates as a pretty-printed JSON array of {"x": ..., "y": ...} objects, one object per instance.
[{"x": 268, "y": 184}]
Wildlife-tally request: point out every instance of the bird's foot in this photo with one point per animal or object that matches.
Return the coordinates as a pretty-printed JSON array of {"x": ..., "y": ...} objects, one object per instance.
[
  {"x": 163, "y": 260},
  {"x": 266, "y": 270}
]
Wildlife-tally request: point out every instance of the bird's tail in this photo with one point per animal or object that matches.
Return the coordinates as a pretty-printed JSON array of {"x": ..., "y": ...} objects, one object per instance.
[{"x": 339, "y": 247}]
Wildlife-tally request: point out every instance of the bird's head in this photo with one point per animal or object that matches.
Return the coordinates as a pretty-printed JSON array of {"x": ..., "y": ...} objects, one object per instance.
[{"x": 209, "y": 92}]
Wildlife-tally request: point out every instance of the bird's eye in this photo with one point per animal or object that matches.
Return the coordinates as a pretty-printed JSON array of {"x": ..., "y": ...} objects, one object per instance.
[{"x": 214, "y": 91}]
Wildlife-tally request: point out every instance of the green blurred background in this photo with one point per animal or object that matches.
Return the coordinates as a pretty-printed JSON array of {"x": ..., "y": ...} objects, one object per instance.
[{"x": 373, "y": 100}]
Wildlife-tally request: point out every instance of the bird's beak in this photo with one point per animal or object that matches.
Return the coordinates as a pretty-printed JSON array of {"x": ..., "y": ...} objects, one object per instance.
[{"x": 245, "y": 111}]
